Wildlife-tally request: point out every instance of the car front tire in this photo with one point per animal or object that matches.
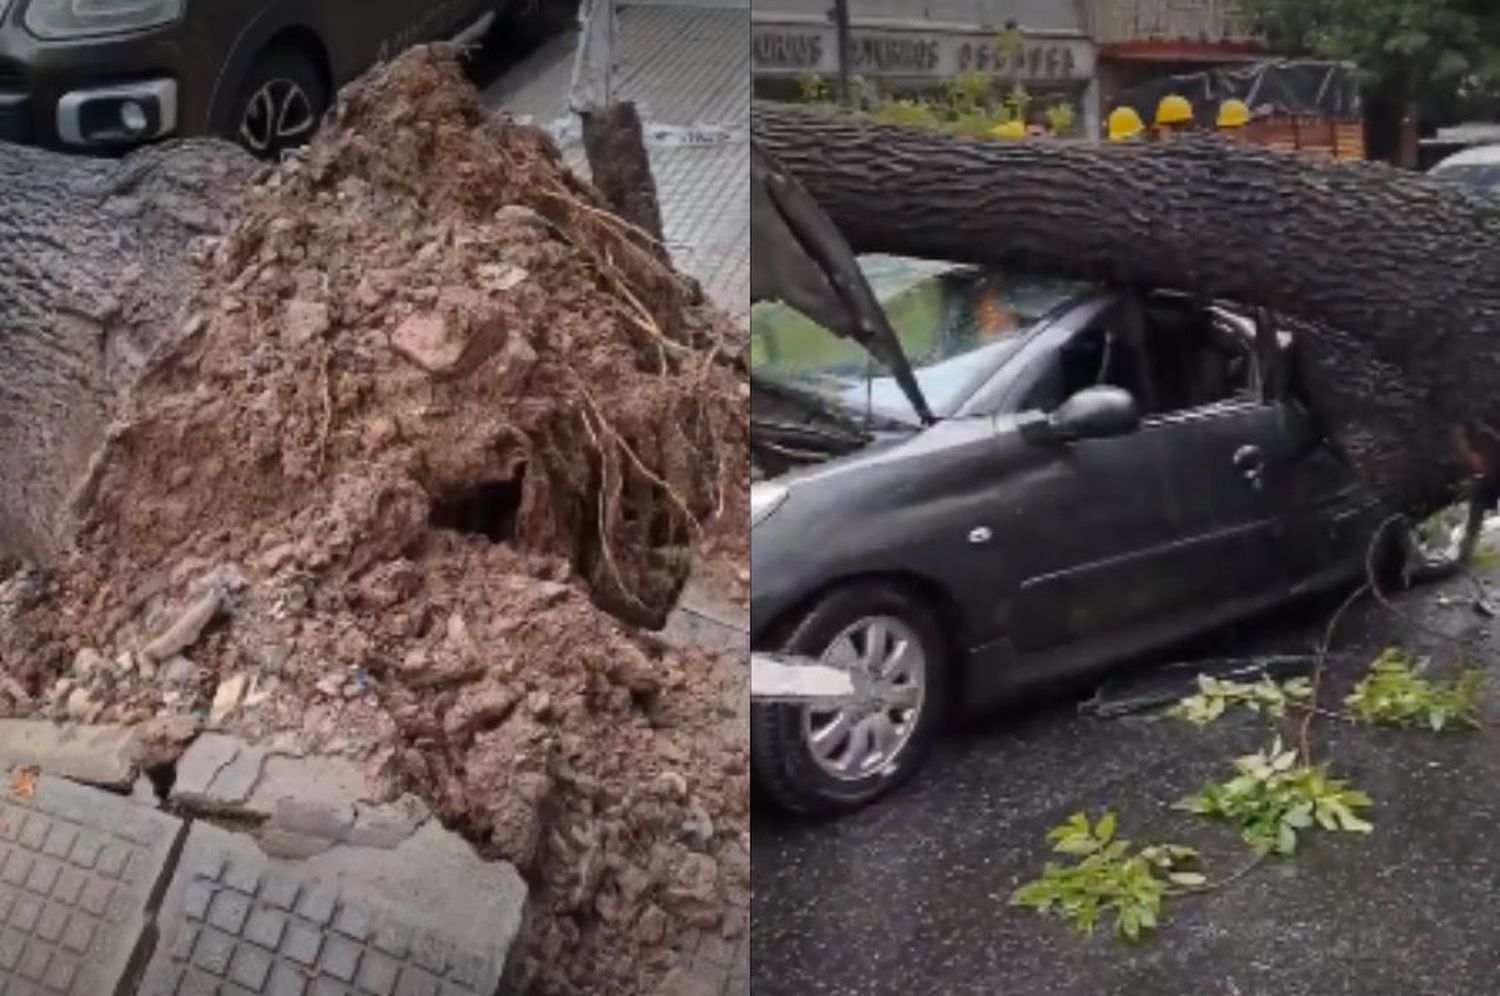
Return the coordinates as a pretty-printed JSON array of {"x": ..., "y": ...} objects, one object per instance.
[
  {"x": 281, "y": 103},
  {"x": 827, "y": 762}
]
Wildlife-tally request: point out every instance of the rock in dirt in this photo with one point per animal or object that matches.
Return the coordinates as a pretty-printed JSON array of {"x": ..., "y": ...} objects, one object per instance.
[
  {"x": 306, "y": 321},
  {"x": 186, "y": 629},
  {"x": 162, "y": 740},
  {"x": 227, "y": 697},
  {"x": 470, "y": 552},
  {"x": 426, "y": 340}
]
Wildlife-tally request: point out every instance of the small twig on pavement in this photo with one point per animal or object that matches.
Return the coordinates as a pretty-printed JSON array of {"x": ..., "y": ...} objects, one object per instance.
[
  {"x": 1223, "y": 883},
  {"x": 1322, "y": 657}
]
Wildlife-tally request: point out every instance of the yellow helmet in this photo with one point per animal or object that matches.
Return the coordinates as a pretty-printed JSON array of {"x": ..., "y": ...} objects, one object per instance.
[
  {"x": 1173, "y": 110},
  {"x": 1233, "y": 114},
  {"x": 1009, "y": 129},
  {"x": 1124, "y": 123}
]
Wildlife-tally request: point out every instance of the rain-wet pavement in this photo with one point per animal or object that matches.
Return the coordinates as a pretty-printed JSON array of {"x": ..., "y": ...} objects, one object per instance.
[{"x": 910, "y": 896}]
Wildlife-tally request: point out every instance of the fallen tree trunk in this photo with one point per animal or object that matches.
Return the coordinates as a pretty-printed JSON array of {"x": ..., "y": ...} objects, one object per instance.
[
  {"x": 1391, "y": 278},
  {"x": 95, "y": 268}
]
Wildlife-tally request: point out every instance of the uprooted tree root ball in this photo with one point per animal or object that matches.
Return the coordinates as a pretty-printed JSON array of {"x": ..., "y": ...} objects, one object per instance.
[{"x": 440, "y": 432}]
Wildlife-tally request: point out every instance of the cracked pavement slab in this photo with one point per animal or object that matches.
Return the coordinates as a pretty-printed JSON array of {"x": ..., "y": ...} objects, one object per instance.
[
  {"x": 424, "y": 918},
  {"x": 80, "y": 871},
  {"x": 300, "y": 805},
  {"x": 98, "y": 755},
  {"x": 331, "y": 893},
  {"x": 910, "y": 897}
]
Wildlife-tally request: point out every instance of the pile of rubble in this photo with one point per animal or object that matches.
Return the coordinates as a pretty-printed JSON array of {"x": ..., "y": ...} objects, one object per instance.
[{"x": 435, "y": 451}]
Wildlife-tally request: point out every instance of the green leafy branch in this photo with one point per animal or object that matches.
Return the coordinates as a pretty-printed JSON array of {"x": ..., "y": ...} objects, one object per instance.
[
  {"x": 1394, "y": 692},
  {"x": 1215, "y": 696},
  {"x": 1110, "y": 875},
  {"x": 1273, "y": 797}
]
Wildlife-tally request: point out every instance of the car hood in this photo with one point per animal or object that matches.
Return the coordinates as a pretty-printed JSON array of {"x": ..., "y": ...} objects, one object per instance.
[{"x": 799, "y": 257}]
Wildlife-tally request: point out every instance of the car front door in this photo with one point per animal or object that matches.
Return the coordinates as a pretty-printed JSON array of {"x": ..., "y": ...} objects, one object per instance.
[{"x": 1106, "y": 542}]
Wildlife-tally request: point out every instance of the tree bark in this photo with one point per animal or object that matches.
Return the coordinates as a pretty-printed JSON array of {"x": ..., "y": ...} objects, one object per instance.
[
  {"x": 1392, "y": 279},
  {"x": 615, "y": 144},
  {"x": 96, "y": 268}
]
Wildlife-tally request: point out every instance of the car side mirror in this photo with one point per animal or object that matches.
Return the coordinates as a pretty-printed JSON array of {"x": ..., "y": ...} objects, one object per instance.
[{"x": 1093, "y": 413}]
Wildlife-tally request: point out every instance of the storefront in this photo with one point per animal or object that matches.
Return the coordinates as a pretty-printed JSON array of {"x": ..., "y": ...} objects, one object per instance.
[
  {"x": 792, "y": 40},
  {"x": 1143, "y": 40}
]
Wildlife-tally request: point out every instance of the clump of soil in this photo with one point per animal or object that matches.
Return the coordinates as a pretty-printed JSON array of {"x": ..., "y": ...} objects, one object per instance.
[{"x": 441, "y": 434}]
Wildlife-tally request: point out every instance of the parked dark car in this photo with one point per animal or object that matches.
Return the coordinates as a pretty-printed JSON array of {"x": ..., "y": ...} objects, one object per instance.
[
  {"x": 1108, "y": 473},
  {"x": 102, "y": 76}
]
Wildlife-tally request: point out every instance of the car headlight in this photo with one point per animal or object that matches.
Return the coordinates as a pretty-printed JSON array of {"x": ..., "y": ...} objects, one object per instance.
[
  {"x": 59, "y": 19},
  {"x": 765, "y": 498}
]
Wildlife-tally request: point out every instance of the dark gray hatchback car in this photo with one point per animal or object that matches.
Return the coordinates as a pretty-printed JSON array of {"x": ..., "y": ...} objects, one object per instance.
[
  {"x": 1108, "y": 472},
  {"x": 102, "y": 75}
]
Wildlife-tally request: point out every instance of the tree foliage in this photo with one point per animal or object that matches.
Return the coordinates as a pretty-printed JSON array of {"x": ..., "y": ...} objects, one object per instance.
[
  {"x": 1110, "y": 875},
  {"x": 1274, "y": 795},
  {"x": 1433, "y": 52},
  {"x": 1215, "y": 696},
  {"x": 1395, "y": 692}
]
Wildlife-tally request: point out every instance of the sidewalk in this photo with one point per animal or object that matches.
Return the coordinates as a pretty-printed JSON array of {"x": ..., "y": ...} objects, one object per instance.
[
  {"x": 685, "y": 65},
  {"x": 262, "y": 874}
]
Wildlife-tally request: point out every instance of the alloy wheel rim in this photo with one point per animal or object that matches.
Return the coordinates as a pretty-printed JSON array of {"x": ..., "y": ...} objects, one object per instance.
[
  {"x": 855, "y": 742},
  {"x": 279, "y": 114}
]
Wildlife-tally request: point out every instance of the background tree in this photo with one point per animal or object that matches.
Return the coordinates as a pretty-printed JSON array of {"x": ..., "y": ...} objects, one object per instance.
[{"x": 1421, "y": 60}]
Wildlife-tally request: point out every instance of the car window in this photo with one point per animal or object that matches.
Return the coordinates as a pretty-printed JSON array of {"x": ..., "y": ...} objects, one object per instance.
[
  {"x": 957, "y": 325},
  {"x": 1192, "y": 359},
  {"x": 1172, "y": 355}
]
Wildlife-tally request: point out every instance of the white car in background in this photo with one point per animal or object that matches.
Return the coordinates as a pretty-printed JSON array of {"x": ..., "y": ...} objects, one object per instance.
[{"x": 1477, "y": 168}]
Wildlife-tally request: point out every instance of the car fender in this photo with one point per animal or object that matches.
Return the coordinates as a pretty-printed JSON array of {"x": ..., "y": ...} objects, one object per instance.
[
  {"x": 271, "y": 21},
  {"x": 925, "y": 509}
]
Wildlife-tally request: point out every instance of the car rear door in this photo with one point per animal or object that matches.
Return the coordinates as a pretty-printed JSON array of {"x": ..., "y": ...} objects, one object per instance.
[{"x": 1223, "y": 460}]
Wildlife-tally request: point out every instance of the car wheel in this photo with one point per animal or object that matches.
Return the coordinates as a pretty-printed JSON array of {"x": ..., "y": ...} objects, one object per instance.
[
  {"x": 1434, "y": 549},
  {"x": 282, "y": 101},
  {"x": 822, "y": 762}
]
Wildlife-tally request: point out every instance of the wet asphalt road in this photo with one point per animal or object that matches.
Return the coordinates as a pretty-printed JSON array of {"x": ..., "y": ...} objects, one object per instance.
[{"x": 909, "y": 897}]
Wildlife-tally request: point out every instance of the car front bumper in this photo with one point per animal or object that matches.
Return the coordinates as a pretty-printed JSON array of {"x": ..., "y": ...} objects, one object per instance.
[{"x": 74, "y": 96}]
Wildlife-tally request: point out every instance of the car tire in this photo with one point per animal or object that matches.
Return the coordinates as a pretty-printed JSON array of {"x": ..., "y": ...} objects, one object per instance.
[
  {"x": 785, "y": 768},
  {"x": 281, "y": 103},
  {"x": 1405, "y": 560}
]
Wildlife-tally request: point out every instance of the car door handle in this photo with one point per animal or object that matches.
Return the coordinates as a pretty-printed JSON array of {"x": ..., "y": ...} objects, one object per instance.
[{"x": 1250, "y": 461}]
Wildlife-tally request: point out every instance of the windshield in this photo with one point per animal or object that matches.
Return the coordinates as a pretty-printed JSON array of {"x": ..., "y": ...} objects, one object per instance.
[
  {"x": 1484, "y": 177},
  {"x": 957, "y": 325}
]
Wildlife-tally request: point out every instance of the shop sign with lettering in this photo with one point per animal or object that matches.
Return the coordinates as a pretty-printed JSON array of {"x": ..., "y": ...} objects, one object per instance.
[{"x": 876, "y": 52}]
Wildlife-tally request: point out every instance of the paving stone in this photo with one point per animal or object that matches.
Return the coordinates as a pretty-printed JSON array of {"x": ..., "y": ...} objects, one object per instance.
[
  {"x": 98, "y": 755},
  {"x": 306, "y": 803},
  {"x": 424, "y": 918},
  {"x": 200, "y": 764},
  {"x": 79, "y": 871}
]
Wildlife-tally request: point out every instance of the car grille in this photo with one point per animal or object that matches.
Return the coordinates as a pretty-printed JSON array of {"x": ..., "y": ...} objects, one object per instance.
[{"x": 12, "y": 80}]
